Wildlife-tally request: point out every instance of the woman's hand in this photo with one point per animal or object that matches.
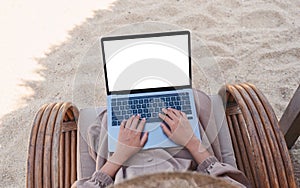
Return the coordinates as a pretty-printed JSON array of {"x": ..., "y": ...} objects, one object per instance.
[
  {"x": 180, "y": 130},
  {"x": 130, "y": 140},
  {"x": 129, "y": 143}
]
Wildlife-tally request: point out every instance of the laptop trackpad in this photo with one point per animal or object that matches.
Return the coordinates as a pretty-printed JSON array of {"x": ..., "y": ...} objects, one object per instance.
[{"x": 156, "y": 137}]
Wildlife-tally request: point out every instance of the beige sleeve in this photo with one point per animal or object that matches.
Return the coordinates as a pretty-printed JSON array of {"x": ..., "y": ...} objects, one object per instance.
[
  {"x": 98, "y": 180},
  {"x": 213, "y": 167}
]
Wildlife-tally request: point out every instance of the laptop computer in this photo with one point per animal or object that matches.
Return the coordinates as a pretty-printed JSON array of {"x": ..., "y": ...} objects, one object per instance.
[{"x": 145, "y": 73}]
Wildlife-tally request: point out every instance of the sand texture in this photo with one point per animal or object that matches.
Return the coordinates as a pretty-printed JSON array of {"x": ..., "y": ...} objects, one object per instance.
[{"x": 252, "y": 41}]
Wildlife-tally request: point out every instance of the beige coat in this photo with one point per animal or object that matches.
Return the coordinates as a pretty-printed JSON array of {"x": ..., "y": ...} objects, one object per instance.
[{"x": 214, "y": 133}]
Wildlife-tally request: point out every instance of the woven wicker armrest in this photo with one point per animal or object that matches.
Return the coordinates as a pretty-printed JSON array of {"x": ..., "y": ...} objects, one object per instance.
[
  {"x": 52, "y": 146},
  {"x": 259, "y": 145}
]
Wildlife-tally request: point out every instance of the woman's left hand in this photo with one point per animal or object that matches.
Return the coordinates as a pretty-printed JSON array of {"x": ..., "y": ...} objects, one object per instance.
[{"x": 179, "y": 130}]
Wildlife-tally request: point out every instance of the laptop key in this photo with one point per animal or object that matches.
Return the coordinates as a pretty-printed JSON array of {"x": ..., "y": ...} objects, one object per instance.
[
  {"x": 186, "y": 107},
  {"x": 115, "y": 108},
  {"x": 114, "y": 123},
  {"x": 120, "y": 117},
  {"x": 154, "y": 115},
  {"x": 185, "y": 98},
  {"x": 187, "y": 111}
]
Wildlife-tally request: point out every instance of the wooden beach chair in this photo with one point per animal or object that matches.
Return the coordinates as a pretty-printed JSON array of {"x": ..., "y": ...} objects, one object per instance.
[{"x": 259, "y": 144}]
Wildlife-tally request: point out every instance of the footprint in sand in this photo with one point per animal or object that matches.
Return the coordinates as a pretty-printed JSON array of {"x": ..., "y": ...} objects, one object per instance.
[{"x": 262, "y": 19}]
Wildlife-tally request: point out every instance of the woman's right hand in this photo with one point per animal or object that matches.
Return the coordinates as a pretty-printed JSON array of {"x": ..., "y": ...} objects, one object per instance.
[
  {"x": 129, "y": 143},
  {"x": 130, "y": 140}
]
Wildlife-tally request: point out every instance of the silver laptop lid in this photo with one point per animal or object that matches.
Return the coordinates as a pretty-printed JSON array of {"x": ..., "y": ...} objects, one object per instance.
[{"x": 147, "y": 62}]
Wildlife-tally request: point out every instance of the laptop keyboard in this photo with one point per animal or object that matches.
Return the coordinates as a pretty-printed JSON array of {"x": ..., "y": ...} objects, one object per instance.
[{"x": 148, "y": 106}]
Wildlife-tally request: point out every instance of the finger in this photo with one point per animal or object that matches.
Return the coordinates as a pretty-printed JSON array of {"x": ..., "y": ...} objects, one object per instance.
[
  {"x": 123, "y": 123},
  {"x": 176, "y": 112},
  {"x": 165, "y": 118},
  {"x": 135, "y": 122},
  {"x": 165, "y": 129},
  {"x": 166, "y": 112},
  {"x": 129, "y": 121},
  {"x": 184, "y": 115},
  {"x": 172, "y": 114},
  {"x": 141, "y": 125},
  {"x": 144, "y": 139}
]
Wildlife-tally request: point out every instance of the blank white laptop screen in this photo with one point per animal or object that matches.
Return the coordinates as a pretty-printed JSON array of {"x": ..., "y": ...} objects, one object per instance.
[{"x": 144, "y": 63}]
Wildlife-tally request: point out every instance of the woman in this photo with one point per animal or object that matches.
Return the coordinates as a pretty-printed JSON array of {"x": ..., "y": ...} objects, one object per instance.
[{"x": 131, "y": 140}]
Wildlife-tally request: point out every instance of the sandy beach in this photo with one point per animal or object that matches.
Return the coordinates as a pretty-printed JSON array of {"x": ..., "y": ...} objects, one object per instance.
[{"x": 54, "y": 55}]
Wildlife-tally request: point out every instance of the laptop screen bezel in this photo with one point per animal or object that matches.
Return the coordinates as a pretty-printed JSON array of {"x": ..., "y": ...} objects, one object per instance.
[{"x": 148, "y": 35}]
